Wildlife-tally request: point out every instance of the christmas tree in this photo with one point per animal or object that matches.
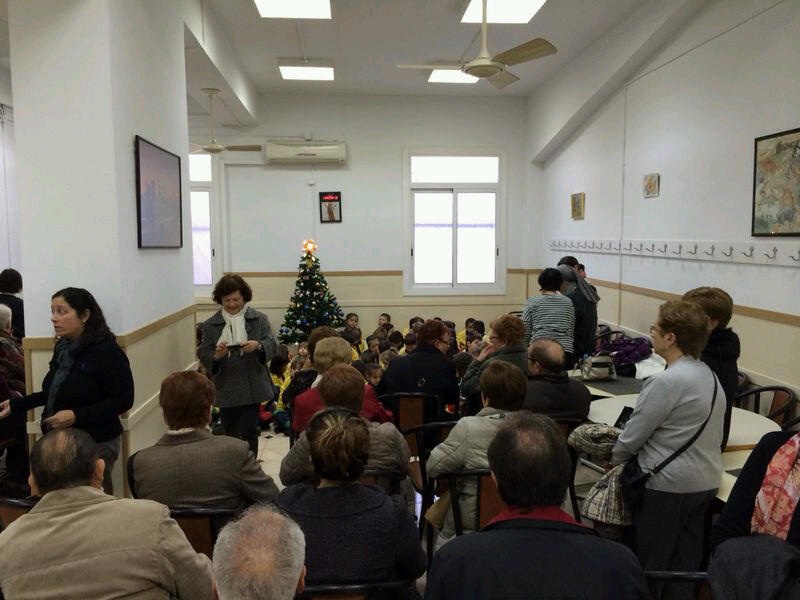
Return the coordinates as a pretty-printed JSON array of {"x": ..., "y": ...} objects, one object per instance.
[{"x": 312, "y": 303}]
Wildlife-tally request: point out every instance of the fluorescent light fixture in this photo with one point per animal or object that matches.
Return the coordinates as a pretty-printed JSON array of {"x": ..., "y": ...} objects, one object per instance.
[
  {"x": 450, "y": 76},
  {"x": 310, "y": 70},
  {"x": 294, "y": 9},
  {"x": 502, "y": 11}
]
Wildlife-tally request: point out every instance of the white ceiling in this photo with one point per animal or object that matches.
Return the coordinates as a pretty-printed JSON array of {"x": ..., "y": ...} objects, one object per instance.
[{"x": 366, "y": 38}]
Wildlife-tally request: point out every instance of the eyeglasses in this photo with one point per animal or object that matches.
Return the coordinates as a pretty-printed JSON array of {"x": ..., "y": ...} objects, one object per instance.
[{"x": 654, "y": 329}]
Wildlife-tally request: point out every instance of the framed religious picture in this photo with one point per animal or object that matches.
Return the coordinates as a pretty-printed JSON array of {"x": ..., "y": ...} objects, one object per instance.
[
  {"x": 651, "y": 185},
  {"x": 776, "y": 184},
  {"x": 578, "y": 202},
  {"x": 330, "y": 207},
  {"x": 158, "y": 196}
]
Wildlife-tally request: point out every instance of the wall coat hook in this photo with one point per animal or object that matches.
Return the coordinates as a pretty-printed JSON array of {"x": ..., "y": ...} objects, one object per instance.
[
  {"x": 630, "y": 246},
  {"x": 638, "y": 248},
  {"x": 680, "y": 249},
  {"x": 692, "y": 252},
  {"x": 729, "y": 253},
  {"x": 650, "y": 248},
  {"x": 711, "y": 253},
  {"x": 615, "y": 248},
  {"x": 772, "y": 254},
  {"x": 795, "y": 258},
  {"x": 592, "y": 245},
  {"x": 663, "y": 250},
  {"x": 750, "y": 253}
]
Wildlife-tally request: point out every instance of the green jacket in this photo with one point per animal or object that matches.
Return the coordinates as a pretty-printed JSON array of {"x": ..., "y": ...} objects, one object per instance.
[{"x": 516, "y": 355}]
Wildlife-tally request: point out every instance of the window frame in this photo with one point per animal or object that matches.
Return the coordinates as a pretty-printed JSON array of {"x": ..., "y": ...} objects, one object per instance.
[
  {"x": 215, "y": 221},
  {"x": 410, "y": 288}
]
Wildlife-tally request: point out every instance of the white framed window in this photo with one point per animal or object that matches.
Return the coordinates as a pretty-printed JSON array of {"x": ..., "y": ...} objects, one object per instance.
[
  {"x": 454, "y": 226},
  {"x": 203, "y": 216}
]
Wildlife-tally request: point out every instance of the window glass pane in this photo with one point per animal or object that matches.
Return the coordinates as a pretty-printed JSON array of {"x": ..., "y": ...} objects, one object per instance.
[
  {"x": 475, "y": 254},
  {"x": 200, "y": 167},
  {"x": 201, "y": 237},
  {"x": 433, "y": 237},
  {"x": 455, "y": 169}
]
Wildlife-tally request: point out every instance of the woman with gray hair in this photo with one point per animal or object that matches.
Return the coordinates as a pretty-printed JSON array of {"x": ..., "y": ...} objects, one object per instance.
[{"x": 585, "y": 299}]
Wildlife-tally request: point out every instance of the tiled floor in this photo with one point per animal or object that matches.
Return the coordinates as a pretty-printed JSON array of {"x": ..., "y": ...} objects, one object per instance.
[{"x": 271, "y": 450}]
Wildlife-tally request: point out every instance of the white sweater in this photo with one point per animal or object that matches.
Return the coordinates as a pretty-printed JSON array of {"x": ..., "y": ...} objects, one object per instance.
[{"x": 671, "y": 408}]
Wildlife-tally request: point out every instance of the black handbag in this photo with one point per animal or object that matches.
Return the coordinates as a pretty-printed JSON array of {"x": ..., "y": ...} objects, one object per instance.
[{"x": 633, "y": 478}]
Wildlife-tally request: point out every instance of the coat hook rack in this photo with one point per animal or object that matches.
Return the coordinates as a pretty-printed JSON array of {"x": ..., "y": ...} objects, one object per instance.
[
  {"x": 638, "y": 248},
  {"x": 795, "y": 258},
  {"x": 729, "y": 253},
  {"x": 692, "y": 252},
  {"x": 663, "y": 250},
  {"x": 650, "y": 248},
  {"x": 680, "y": 249},
  {"x": 711, "y": 253},
  {"x": 749, "y": 254},
  {"x": 772, "y": 254},
  {"x": 592, "y": 246},
  {"x": 615, "y": 248}
]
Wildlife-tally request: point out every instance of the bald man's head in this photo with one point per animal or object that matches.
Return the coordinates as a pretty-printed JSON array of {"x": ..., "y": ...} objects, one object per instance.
[
  {"x": 548, "y": 354},
  {"x": 64, "y": 458}
]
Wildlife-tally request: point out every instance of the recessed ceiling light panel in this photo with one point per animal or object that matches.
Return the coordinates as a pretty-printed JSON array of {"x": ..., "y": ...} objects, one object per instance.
[
  {"x": 294, "y": 9},
  {"x": 450, "y": 76},
  {"x": 502, "y": 11},
  {"x": 311, "y": 70}
]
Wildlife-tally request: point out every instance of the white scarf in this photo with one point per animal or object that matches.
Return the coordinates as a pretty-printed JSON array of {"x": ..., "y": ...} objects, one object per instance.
[{"x": 234, "y": 331}]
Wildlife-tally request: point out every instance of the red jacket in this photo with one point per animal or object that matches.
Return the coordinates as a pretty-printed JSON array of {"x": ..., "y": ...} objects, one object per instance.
[{"x": 309, "y": 402}]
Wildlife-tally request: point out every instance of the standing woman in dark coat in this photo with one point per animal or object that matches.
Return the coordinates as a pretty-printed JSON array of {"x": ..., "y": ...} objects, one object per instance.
[
  {"x": 237, "y": 345},
  {"x": 585, "y": 299},
  {"x": 10, "y": 286},
  {"x": 89, "y": 384}
]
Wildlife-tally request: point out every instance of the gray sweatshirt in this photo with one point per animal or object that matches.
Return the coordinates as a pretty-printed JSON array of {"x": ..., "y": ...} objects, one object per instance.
[{"x": 669, "y": 410}]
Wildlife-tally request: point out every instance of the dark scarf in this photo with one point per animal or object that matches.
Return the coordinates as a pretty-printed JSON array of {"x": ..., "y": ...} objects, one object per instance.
[
  {"x": 723, "y": 344},
  {"x": 64, "y": 358}
]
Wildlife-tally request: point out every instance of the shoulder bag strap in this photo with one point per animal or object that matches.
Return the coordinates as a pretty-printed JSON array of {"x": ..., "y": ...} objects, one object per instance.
[{"x": 692, "y": 439}]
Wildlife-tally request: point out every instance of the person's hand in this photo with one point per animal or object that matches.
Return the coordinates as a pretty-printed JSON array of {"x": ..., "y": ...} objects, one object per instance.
[
  {"x": 250, "y": 346},
  {"x": 61, "y": 420},
  {"x": 221, "y": 350},
  {"x": 485, "y": 353},
  {"x": 5, "y": 408}
]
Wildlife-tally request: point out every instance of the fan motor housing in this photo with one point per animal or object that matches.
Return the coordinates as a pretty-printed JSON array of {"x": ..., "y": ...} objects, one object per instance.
[{"x": 483, "y": 68}]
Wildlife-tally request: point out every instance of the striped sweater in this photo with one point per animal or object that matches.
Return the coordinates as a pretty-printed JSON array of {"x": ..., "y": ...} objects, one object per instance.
[{"x": 550, "y": 316}]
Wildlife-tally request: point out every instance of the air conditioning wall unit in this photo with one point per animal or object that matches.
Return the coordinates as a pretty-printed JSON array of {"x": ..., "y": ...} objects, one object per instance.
[{"x": 299, "y": 152}]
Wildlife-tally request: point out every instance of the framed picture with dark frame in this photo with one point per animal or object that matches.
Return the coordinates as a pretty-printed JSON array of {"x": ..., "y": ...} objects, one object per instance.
[
  {"x": 330, "y": 207},
  {"x": 776, "y": 184},
  {"x": 158, "y": 196}
]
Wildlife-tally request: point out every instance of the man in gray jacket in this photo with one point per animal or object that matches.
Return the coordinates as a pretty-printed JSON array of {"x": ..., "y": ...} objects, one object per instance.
[
  {"x": 342, "y": 385},
  {"x": 77, "y": 542}
]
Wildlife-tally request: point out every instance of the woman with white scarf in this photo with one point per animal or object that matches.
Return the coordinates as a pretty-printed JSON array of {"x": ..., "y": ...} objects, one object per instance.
[{"x": 236, "y": 346}]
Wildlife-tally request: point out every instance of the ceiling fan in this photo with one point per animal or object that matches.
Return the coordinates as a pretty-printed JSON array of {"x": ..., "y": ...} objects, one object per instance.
[
  {"x": 214, "y": 147},
  {"x": 494, "y": 69}
]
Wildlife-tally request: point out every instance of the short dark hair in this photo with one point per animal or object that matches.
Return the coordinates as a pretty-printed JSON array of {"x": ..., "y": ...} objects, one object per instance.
[
  {"x": 387, "y": 315},
  {"x": 63, "y": 458},
  {"x": 504, "y": 384},
  {"x": 342, "y": 385},
  {"x": 230, "y": 283},
  {"x": 431, "y": 331},
  {"x": 81, "y": 300},
  {"x": 360, "y": 366},
  {"x": 550, "y": 279},
  {"x": 368, "y": 356},
  {"x": 338, "y": 441},
  {"x": 462, "y": 360},
  {"x": 10, "y": 281},
  {"x": 410, "y": 338},
  {"x": 570, "y": 261},
  {"x": 529, "y": 459},
  {"x": 395, "y": 338},
  {"x": 185, "y": 398},
  {"x": 413, "y": 320},
  {"x": 277, "y": 365},
  {"x": 317, "y": 334},
  {"x": 581, "y": 267},
  {"x": 716, "y": 302},
  {"x": 351, "y": 336},
  {"x": 479, "y": 326},
  {"x": 548, "y": 353},
  {"x": 348, "y": 315},
  {"x": 468, "y": 322}
]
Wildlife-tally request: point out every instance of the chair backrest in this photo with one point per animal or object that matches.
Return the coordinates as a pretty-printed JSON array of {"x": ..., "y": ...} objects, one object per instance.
[
  {"x": 782, "y": 401},
  {"x": 12, "y": 509},
  {"x": 386, "y": 479},
  {"x": 409, "y": 408},
  {"x": 695, "y": 577},
  {"x": 201, "y": 525},
  {"x": 356, "y": 591},
  {"x": 488, "y": 501}
]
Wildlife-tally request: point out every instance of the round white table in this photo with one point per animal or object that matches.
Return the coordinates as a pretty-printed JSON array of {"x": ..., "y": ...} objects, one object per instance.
[{"x": 747, "y": 427}]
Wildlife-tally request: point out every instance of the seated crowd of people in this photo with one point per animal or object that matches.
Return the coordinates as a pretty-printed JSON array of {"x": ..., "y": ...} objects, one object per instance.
[{"x": 510, "y": 397}]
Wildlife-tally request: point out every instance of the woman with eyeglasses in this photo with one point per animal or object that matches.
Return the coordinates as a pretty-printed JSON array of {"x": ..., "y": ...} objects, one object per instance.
[
  {"x": 427, "y": 369},
  {"x": 672, "y": 407}
]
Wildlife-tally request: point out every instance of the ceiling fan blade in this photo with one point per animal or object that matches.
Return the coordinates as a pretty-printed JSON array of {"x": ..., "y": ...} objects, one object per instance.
[
  {"x": 444, "y": 66},
  {"x": 530, "y": 50},
  {"x": 245, "y": 148},
  {"x": 198, "y": 150},
  {"x": 502, "y": 79}
]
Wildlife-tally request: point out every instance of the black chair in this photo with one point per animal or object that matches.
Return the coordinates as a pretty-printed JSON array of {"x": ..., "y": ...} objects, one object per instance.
[
  {"x": 356, "y": 591},
  {"x": 202, "y": 525},
  {"x": 566, "y": 426},
  {"x": 412, "y": 408},
  {"x": 387, "y": 479},
  {"x": 698, "y": 578},
  {"x": 782, "y": 400},
  {"x": 12, "y": 509}
]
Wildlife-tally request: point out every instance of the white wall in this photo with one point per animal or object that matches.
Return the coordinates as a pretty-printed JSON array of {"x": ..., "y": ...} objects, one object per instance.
[
  {"x": 272, "y": 209},
  {"x": 691, "y": 115}
]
